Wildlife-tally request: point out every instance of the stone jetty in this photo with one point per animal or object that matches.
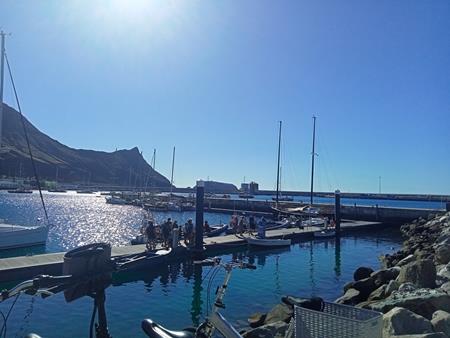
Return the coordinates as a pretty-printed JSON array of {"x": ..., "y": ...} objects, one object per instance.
[{"x": 412, "y": 290}]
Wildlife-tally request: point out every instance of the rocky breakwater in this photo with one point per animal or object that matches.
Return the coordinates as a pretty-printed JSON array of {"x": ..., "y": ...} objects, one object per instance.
[
  {"x": 413, "y": 288},
  {"x": 279, "y": 322}
]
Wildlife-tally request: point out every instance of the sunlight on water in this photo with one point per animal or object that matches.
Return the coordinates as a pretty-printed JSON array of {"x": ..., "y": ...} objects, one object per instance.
[
  {"x": 79, "y": 219},
  {"x": 175, "y": 295}
]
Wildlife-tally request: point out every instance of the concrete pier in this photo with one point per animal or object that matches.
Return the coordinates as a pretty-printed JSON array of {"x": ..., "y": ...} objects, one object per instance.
[
  {"x": 353, "y": 212},
  {"x": 26, "y": 267}
]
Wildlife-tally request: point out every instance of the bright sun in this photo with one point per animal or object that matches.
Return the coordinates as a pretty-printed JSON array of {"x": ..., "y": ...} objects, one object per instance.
[{"x": 138, "y": 11}]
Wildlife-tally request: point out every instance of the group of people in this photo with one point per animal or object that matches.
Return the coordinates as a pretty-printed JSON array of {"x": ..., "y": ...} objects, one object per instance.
[
  {"x": 169, "y": 233},
  {"x": 166, "y": 232},
  {"x": 240, "y": 225}
]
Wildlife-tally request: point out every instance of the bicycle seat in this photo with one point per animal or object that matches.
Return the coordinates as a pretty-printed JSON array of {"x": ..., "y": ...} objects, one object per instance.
[{"x": 155, "y": 330}]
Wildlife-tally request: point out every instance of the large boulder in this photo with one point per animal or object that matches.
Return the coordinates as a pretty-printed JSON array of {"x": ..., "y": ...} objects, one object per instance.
[
  {"x": 351, "y": 297},
  {"x": 256, "y": 319},
  {"x": 314, "y": 303},
  {"x": 378, "y": 294},
  {"x": 441, "y": 322},
  {"x": 408, "y": 259},
  {"x": 422, "y": 301},
  {"x": 400, "y": 321},
  {"x": 406, "y": 287},
  {"x": 281, "y": 312},
  {"x": 272, "y": 330},
  {"x": 392, "y": 286},
  {"x": 442, "y": 254},
  {"x": 446, "y": 287},
  {"x": 365, "y": 287},
  {"x": 361, "y": 273},
  {"x": 385, "y": 275},
  {"x": 422, "y": 273},
  {"x": 443, "y": 273}
]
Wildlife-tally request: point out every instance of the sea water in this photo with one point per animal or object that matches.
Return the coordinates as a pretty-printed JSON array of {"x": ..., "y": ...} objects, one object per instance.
[{"x": 177, "y": 295}]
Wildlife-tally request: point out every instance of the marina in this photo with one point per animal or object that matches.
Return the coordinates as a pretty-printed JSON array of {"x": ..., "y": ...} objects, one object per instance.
[
  {"x": 243, "y": 170},
  {"x": 325, "y": 268},
  {"x": 19, "y": 268}
]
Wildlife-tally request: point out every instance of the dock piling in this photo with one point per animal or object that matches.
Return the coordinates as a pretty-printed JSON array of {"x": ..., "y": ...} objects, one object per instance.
[
  {"x": 200, "y": 195},
  {"x": 337, "y": 211}
]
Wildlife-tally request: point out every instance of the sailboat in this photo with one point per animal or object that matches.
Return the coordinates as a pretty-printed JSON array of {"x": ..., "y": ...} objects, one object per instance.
[
  {"x": 56, "y": 189},
  {"x": 171, "y": 205},
  {"x": 268, "y": 242},
  {"x": 21, "y": 188},
  {"x": 12, "y": 235}
]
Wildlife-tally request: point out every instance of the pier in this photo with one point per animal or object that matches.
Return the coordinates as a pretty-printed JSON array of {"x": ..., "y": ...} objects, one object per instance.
[
  {"x": 26, "y": 267},
  {"x": 351, "y": 212}
]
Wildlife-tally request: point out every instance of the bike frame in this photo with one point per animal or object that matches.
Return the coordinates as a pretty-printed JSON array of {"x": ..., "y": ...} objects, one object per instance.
[{"x": 216, "y": 320}]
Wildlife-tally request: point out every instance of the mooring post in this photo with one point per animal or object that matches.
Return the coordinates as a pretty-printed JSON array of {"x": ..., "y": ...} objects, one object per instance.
[
  {"x": 200, "y": 195},
  {"x": 337, "y": 211}
]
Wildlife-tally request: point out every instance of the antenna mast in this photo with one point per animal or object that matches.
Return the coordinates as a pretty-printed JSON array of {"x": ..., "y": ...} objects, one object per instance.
[
  {"x": 278, "y": 166},
  {"x": 312, "y": 158},
  {"x": 2, "y": 69},
  {"x": 173, "y": 164}
]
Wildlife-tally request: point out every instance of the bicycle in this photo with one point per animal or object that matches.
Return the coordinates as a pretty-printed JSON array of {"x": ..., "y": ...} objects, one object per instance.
[{"x": 216, "y": 321}]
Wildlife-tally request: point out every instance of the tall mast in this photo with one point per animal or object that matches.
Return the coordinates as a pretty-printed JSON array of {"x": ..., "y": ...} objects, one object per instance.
[
  {"x": 154, "y": 159},
  {"x": 312, "y": 158},
  {"x": 2, "y": 69},
  {"x": 278, "y": 165},
  {"x": 173, "y": 164}
]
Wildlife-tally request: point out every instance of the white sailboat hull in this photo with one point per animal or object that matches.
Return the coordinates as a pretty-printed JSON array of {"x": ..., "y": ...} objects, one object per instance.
[
  {"x": 17, "y": 236},
  {"x": 268, "y": 242},
  {"x": 326, "y": 233}
]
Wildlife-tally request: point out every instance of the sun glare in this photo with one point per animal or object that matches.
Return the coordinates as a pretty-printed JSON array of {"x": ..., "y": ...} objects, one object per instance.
[{"x": 138, "y": 12}]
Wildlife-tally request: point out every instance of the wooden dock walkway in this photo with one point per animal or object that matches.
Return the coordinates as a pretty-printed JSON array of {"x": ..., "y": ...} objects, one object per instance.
[{"x": 26, "y": 267}]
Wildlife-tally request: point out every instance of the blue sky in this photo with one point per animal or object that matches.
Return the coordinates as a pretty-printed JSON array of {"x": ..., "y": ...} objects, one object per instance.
[{"x": 214, "y": 77}]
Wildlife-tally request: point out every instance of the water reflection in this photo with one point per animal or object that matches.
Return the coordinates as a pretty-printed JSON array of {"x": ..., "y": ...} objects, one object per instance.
[{"x": 176, "y": 294}]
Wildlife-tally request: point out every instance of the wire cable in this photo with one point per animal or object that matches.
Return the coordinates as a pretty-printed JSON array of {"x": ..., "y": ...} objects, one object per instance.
[
  {"x": 91, "y": 325},
  {"x": 4, "y": 327},
  {"x": 27, "y": 139}
]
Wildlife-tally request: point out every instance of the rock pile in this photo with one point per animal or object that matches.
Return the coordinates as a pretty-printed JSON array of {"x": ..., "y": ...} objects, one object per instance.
[
  {"x": 279, "y": 322},
  {"x": 412, "y": 290}
]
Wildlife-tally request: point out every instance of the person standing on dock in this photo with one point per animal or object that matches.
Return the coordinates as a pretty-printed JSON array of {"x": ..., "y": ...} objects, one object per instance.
[
  {"x": 242, "y": 225},
  {"x": 262, "y": 228},
  {"x": 166, "y": 230},
  {"x": 206, "y": 227},
  {"x": 251, "y": 224},
  {"x": 188, "y": 232},
  {"x": 151, "y": 236}
]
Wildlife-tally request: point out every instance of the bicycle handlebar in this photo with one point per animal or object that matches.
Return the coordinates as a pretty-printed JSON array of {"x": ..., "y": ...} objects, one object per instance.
[{"x": 35, "y": 284}]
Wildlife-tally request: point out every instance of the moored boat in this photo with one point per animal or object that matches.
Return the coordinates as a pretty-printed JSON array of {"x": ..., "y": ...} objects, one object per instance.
[
  {"x": 325, "y": 233},
  {"x": 20, "y": 191},
  {"x": 143, "y": 260},
  {"x": 18, "y": 236},
  {"x": 266, "y": 242},
  {"x": 217, "y": 230},
  {"x": 115, "y": 200}
]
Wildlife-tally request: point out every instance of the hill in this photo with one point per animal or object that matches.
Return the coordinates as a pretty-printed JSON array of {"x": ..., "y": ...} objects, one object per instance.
[
  {"x": 220, "y": 188},
  {"x": 121, "y": 167}
]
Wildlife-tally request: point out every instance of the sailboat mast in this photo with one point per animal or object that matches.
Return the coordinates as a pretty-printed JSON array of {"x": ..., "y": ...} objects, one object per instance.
[
  {"x": 278, "y": 165},
  {"x": 312, "y": 158},
  {"x": 173, "y": 164},
  {"x": 2, "y": 69}
]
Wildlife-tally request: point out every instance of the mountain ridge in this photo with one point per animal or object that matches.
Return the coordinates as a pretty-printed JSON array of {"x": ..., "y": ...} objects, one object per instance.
[{"x": 125, "y": 167}]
